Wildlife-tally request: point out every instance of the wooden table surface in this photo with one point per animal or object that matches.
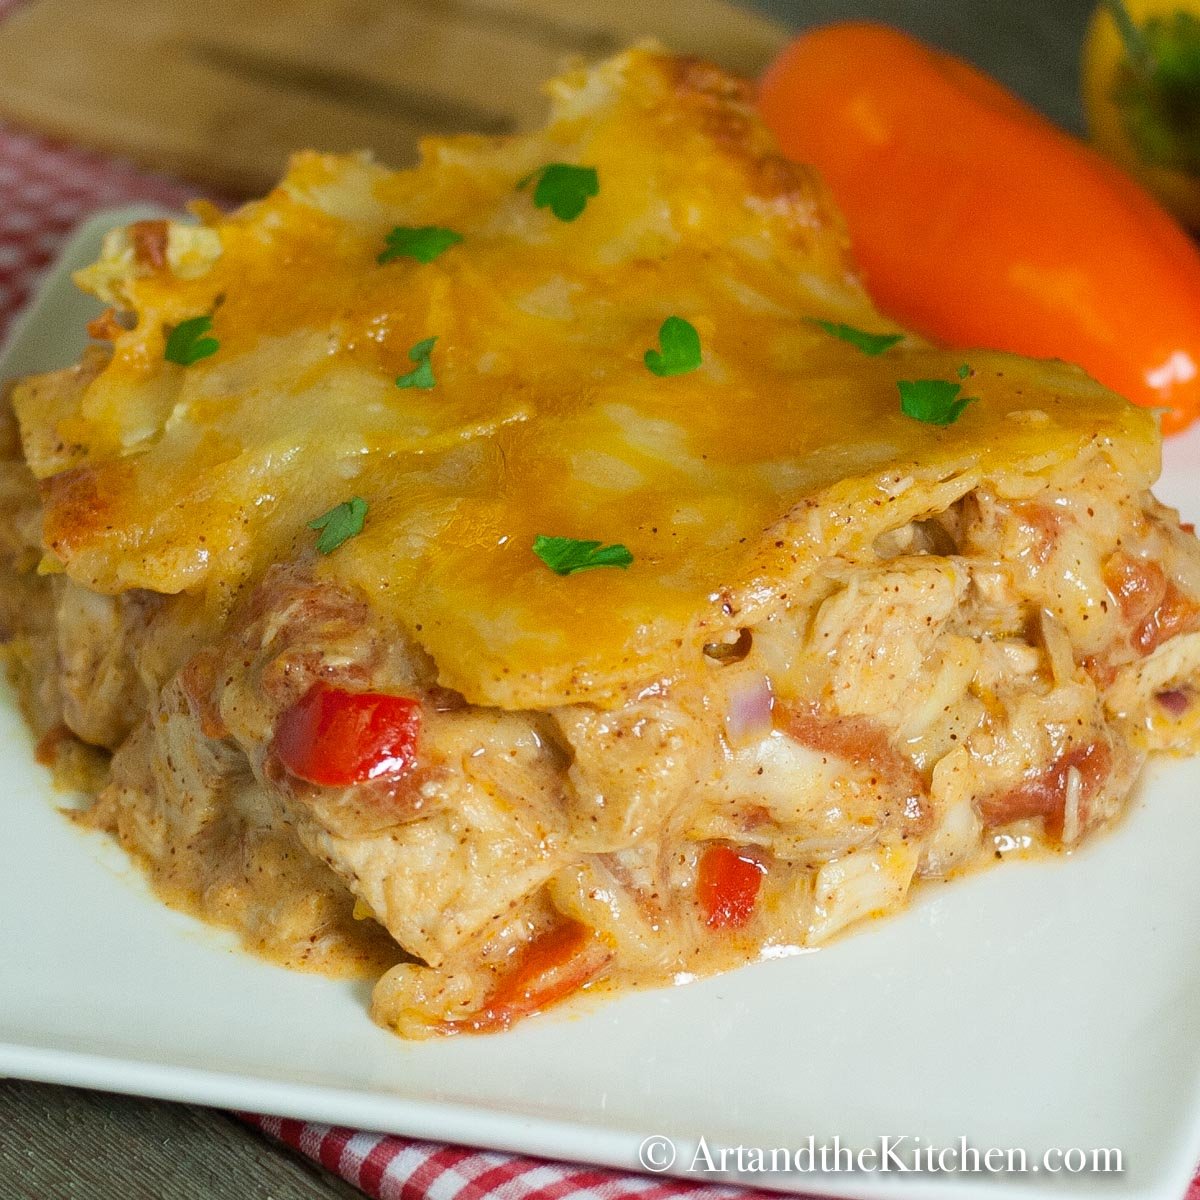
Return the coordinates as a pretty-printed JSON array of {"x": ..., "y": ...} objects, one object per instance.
[{"x": 67, "y": 1144}]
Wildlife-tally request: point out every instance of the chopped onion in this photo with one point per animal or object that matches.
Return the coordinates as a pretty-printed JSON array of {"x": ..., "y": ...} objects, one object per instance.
[
  {"x": 1176, "y": 701},
  {"x": 749, "y": 714}
]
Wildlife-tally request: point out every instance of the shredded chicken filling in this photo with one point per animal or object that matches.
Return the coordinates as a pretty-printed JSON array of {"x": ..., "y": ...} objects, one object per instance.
[{"x": 988, "y": 677}]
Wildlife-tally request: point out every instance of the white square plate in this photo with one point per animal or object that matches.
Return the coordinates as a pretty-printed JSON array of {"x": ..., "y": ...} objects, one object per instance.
[{"x": 1050, "y": 1004}]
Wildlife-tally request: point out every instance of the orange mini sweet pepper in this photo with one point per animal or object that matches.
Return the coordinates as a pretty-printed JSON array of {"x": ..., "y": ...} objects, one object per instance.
[{"x": 977, "y": 222}]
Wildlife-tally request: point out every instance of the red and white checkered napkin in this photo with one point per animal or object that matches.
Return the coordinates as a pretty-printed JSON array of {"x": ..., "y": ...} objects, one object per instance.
[
  {"x": 46, "y": 189},
  {"x": 393, "y": 1168}
]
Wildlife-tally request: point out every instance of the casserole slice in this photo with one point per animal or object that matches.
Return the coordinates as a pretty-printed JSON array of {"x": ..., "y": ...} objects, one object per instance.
[{"x": 542, "y": 571}]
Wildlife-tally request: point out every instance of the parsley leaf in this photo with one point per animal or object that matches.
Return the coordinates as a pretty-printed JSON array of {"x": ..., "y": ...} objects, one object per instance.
[
  {"x": 680, "y": 351},
  {"x": 964, "y": 371},
  {"x": 424, "y": 243},
  {"x": 421, "y": 376},
  {"x": 187, "y": 344},
  {"x": 565, "y": 556},
  {"x": 934, "y": 401},
  {"x": 868, "y": 343},
  {"x": 339, "y": 524},
  {"x": 563, "y": 189}
]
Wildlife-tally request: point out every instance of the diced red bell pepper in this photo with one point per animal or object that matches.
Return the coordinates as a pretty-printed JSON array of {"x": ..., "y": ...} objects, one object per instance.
[
  {"x": 335, "y": 738},
  {"x": 727, "y": 886},
  {"x": 555, "y": 965}
]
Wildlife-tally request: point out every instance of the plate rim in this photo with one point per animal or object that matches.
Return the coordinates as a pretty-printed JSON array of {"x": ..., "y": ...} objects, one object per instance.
[{"x": 539, "y": 1136}]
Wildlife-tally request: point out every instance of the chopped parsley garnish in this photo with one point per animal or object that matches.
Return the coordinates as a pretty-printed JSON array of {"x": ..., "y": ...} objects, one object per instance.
[
  {"x": 934, "y": 401},
  {"x": 563, "y": 188},
  {"x": 680, "y": 348},
  {"x": 868, "y": 343},
  {"x": 424, "y": 243},
  {"x": 339, "y": 524},
  {"x": 187, "y": 343},
  {"x": 565, "y": 556},
  {"x": 421, "y": 376},
  {"x": 964, "y": 371}
]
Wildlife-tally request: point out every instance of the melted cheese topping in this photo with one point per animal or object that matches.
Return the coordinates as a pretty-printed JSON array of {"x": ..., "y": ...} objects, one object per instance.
[{"x": 727, "y": 484}]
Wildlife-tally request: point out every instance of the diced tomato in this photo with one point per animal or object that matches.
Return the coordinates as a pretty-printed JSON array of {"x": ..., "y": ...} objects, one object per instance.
[
  {"x": 49, "y": 744},
  {"x": 1177, "y": 613},
  {"x": 727, "y": 886},
  {"x": 1046, "y": 524},
  {"x": 1153, "y": 605},
  {"x": 334, "y": 737},
  {"x": 1099, "y": 668},
  {"x": 105, "y": 327},
  {"x": 552, "y": 967},
  {"x": 151, "y": 240},
  {"x": 860, "y": 741},
  {"x": 1045, "y": 795}
]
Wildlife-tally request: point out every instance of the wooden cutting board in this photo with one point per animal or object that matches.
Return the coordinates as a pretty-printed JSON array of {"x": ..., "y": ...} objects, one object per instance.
[{"x": 222, "y": 91}]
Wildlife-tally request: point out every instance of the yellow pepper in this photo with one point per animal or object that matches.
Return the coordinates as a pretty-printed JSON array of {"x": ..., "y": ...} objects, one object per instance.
[{"x": 1141, "y": 93}]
